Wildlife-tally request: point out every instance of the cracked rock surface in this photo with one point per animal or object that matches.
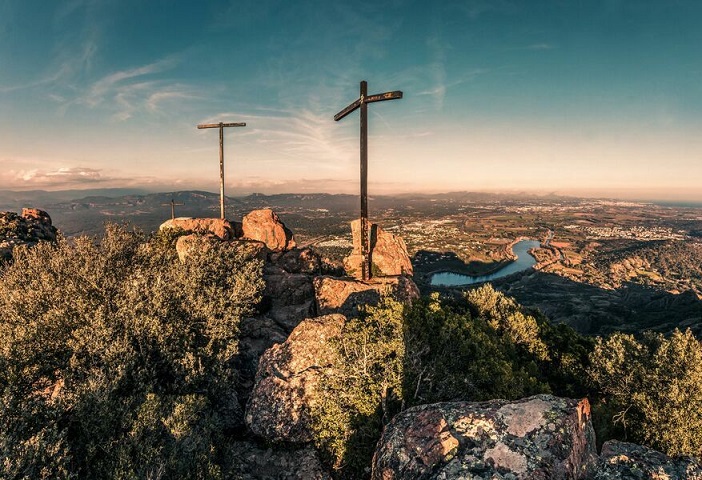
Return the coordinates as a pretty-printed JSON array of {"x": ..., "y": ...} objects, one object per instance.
[
  {"x": 623, "y": 460},
  {"x": 539, "y": 437},
  {"x": 287, "y": 380}
]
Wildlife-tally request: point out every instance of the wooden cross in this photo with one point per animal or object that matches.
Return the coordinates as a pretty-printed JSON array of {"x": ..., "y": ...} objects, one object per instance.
[
  {"x": 173, "y": 205},
  {"x": 221, "y": 126},
  {"x": 363, "y": 102}
]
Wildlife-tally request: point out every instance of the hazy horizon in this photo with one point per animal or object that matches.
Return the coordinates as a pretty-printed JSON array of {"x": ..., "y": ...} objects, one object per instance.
[{"x": 630, "y": 195}]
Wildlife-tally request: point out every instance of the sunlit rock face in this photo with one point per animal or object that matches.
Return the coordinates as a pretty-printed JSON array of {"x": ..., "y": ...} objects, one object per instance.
[
  {"x": 540, "y": 437},
  {"x": 222, "y": 229},
  {"x": 389, "y": 255},
  {"x": 27, "y": 229},
  {"x": 265, "y": 226},
  {"x": 287, "y": 381},
  {"x": 346, "y": 295}
]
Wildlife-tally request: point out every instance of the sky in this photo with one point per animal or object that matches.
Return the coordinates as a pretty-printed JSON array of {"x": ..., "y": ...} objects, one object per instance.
[{"x": 597, "y": 98}]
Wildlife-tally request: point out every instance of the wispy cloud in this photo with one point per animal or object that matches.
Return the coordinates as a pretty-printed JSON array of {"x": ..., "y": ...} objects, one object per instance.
[
  {"x": 69, "y": 177},
  {"x": 305, "y": 135},
  {"x": 127, "y": 92},
  {"x": 63, "y": 176},
  {"x": 473, "y": 9},
  {"x": 73, "y": 54},
  {"x": 535, "y": 47},
  {"x": 109, "y": 85},
  {"x": 438, "y": 91},
  {"x": 168, "y": 94},
  {"x": 540, "y": 46}
]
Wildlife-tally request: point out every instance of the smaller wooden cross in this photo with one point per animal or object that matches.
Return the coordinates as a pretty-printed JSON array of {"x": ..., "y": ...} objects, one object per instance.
[
  {"x": 221, "y": 126},
  {"x": 173, "y": 205}
]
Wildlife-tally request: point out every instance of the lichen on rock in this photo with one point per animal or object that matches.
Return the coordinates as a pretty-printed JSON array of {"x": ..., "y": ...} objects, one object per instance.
[
  {"x": 540, "y": 437},
  {"x": 287, "y": 381}
]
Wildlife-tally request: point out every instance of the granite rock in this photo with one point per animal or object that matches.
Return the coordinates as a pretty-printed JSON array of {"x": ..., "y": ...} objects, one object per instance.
[{"x": 540, "y": 437}]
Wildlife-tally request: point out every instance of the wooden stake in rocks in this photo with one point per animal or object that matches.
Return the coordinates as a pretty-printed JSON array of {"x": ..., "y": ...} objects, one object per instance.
[{"x": 173, "y": 205}]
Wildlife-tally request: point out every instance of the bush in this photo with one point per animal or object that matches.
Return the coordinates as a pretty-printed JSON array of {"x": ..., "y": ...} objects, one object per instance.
[
  {"x": 361, "y": 393},
  {"x": 116, "y": 358},
  {"x": 653, "y": 386},
  {"x": 393, "y": 357}
]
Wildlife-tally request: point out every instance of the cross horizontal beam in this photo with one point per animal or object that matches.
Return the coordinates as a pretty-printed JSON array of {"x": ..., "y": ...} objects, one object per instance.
[
  {"x": 217, "y": 125},
  {"x": 379, "y": 97},
  {"x": 347, "y": 110}
]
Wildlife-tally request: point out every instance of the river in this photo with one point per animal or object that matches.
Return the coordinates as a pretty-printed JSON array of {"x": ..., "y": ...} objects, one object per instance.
[{"x": 523, "y": 262}]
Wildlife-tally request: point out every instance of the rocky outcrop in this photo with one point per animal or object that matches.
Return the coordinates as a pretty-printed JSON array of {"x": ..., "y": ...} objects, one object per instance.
[
  {"x": 346, "y": 295},
  {"x": 389, "y": 255},
  {"x": 540, "y": 437},
  {"x": 252, "y": 462},
  {"x": 288, "y": 297},
  {"x": 29, "y": 228},
  {"x": 186, "y": 244},
  {"x": 303, "y": 260},
  {"x": 265, "y": 226},
  {"x": 623, "y": 461},
  {"x": 256, "y": 335},
  {"x": 287, "y": 381},
  {"x": 222, "y": 229}
]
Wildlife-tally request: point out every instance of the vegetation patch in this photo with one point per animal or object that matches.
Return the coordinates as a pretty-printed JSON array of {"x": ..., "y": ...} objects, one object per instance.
[{"x": 116, "y": 358}]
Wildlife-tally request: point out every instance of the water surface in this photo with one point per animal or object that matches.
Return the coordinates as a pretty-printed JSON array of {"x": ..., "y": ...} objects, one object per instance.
[{"x": 523, "y": 262}]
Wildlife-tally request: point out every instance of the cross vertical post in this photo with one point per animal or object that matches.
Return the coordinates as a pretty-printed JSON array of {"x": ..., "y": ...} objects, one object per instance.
[
  {"x": 362, "y": 103},
  {"x": 365, "y": 241},
  {"x": 221, "y": 126},
  {"x": 221, "y": 171}
]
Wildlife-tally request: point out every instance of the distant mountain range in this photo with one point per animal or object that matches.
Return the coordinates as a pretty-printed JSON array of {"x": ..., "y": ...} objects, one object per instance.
[{"x": 85, "y": 211}]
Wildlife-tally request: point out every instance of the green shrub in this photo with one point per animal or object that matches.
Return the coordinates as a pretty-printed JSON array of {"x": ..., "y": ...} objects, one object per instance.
[
  {"x": 654, "y": 387},
  {"x": 116, "y": 358},
  {"x": 453, "y": 354},
  {"x": 393, "y": 357},
  {"x": 361, "y": 393}
]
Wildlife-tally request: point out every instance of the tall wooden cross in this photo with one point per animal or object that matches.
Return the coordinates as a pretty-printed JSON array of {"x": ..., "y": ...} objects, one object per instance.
[
  {"x": 363, "y": 102},
  {"x": 221, "y": 126},
  {"x": 173, "y": 205}
]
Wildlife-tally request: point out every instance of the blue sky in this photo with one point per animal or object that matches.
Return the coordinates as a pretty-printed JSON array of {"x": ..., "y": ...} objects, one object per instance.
[{"x": 580, "y": 97}]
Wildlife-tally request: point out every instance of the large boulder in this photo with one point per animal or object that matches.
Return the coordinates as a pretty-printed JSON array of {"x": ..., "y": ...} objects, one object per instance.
[
  {"x": 540, "y": 437},
  {"x": 265, "y": 226},
  {"x": 302, "y": 260},
  {"x": 29, "y": 228},
  {"x": 188, "y": 244},
  {"x": 252, "y": 462},
  {"x": 256, "y": 335},
  {"x": 287, "y": 381},
  {"x": 623, "y": 461},
  {"x": 389, "y": 255},
  {"x": 346, "y": 295},
  {"x": 220, "y": 228},
  {"x": 288, "y": 297}
]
